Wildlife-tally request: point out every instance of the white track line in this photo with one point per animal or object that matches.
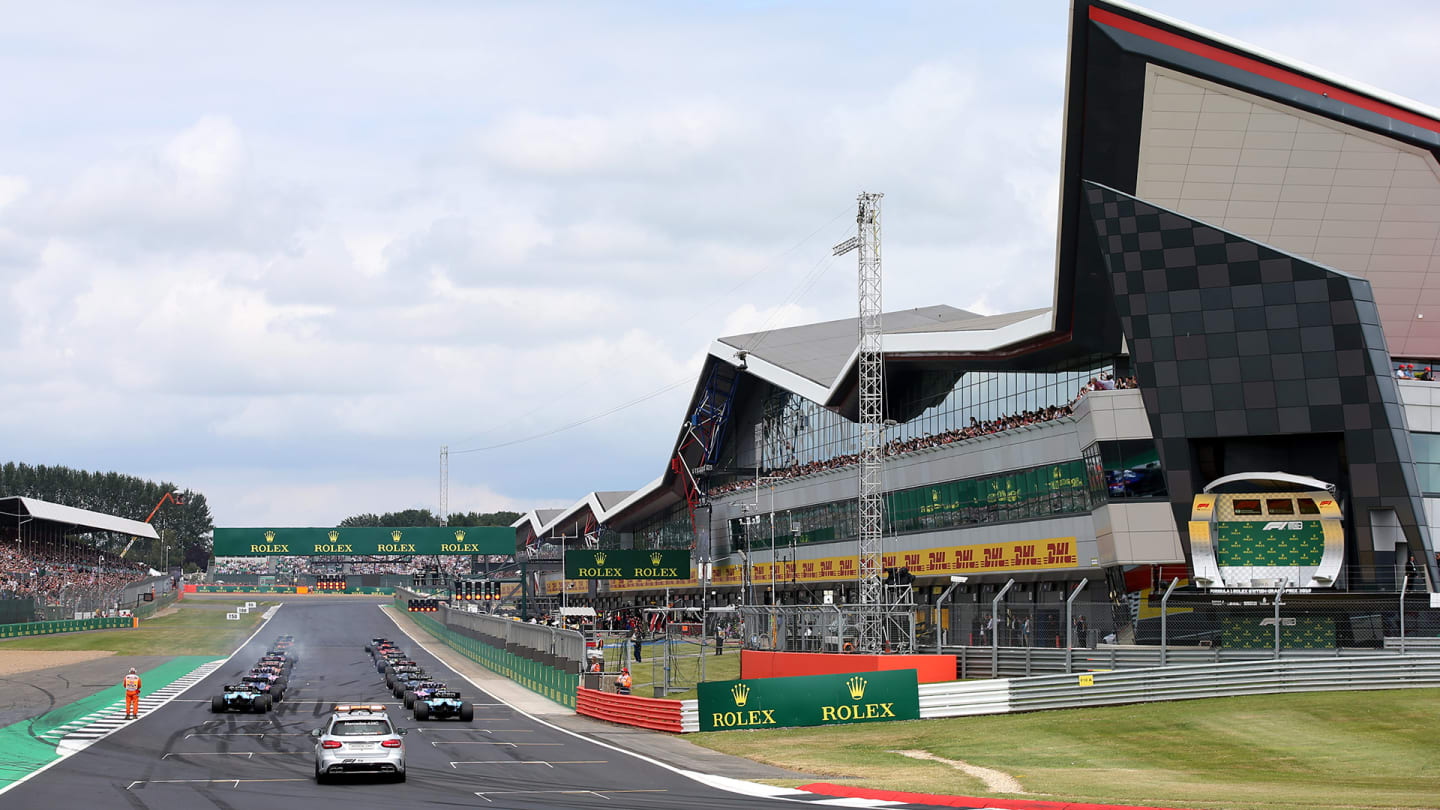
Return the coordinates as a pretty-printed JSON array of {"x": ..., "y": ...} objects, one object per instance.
[
  {"x": 716, "y": 781},
  {"x": 83, "y": 740}
]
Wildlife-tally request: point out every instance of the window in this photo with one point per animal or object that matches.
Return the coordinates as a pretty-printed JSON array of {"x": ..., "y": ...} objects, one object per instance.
[
  {"x": 1308, "y": 507},
  {"x": 359, "y": 728},
  {"x": 1427, "y": 461},
  {"x": 1129, "y": 469},
  {"x": 1280, "y": 506},
  {"x": 1249, "y": 506}
]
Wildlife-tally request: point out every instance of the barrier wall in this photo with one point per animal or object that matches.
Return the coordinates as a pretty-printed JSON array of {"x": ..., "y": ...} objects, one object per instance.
[
  {"x": 658, "y": 714},
  {"x": 17, "y": 610},
  {"x": 66, "y": 626},
  {"x": 529, "y": 668},
  {"x": 759, "y": 664}
]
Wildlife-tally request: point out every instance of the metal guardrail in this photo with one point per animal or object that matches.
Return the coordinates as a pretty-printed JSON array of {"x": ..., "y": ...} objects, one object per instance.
[
  {"x": 1020, "y": 662},
  {"x": 556, "y": 641},
  {"x": 1404, "y": 644},
  {"x": 1184, "y": 682}
]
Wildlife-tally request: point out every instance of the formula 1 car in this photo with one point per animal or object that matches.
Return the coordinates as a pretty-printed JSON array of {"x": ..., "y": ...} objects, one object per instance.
[
  {"x": 240, "y": 697},
  {"x": 384, "y": 662},
  {"x": 284, "y": 643},
  {"x": 403, "y": 669},
  {"x": 261, "y": 683},
  {"x": 420, "y": 691},
  {"x": 442, "y": 704},
  {"x": 279, "y": 659},
  {"x": 275, "y": 675},
  {"x": 406, "y": 681},
  {"x": 377, "y": 642}
]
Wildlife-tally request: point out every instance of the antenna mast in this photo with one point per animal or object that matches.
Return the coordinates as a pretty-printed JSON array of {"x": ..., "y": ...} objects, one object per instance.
[
  {"x": 872, "y": 421},
  {"x": 445, "y": 485}
]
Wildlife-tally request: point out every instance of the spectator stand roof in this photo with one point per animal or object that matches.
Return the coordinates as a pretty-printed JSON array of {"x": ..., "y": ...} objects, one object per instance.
[{"x": 21, "y": 507}]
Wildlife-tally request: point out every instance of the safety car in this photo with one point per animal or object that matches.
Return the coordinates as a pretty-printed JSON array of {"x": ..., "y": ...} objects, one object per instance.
[{"x": 359, "y": 739}]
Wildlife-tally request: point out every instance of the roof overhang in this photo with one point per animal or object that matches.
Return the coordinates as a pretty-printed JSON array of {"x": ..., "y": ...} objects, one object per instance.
[{"x": 77, "y": 518}]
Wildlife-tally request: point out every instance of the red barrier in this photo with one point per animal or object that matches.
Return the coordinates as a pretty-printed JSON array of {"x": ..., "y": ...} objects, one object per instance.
[
  {"x": 189, "y": 588},
  {"x": 758, "y": 664},
  {"x": 630, "y": 710}
]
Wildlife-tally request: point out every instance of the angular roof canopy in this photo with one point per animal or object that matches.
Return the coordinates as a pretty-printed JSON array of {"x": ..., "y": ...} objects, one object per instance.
[{"x": 78, "y": 518}]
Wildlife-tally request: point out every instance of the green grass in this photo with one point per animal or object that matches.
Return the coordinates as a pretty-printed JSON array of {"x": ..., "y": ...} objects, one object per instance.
[
  {"x": 195, "y": 629},
  {"x": 686, "y": 667},
  {"x": 1319, "y": 750}
]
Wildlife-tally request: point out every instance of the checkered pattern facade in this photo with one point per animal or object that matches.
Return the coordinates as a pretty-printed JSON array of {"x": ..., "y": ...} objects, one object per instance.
[{"x": 1230, "y": 338}]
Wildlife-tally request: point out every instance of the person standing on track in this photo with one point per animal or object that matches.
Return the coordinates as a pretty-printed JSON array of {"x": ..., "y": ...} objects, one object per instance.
[{"x": 132, "y": 695}]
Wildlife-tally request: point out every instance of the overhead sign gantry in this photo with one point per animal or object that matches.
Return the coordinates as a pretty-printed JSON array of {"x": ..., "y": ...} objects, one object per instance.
[{"x": 364, "y": 541}]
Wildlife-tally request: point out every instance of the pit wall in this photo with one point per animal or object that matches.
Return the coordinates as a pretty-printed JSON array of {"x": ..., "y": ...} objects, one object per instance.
[
  {"x": 540, "y": 673},
  {"x": 758, "y": 664},
  {"x": 67, "y": 626}
]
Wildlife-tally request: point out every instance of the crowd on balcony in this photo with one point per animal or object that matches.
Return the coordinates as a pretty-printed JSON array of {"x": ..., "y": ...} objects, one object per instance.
[
  {"x": 976, "y": 428},
  {"x": 48, "y": 572},
  {"x": 1409, "y": 371}
]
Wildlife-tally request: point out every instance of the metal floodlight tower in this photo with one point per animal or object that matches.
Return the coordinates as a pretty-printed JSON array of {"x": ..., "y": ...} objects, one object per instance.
[
  {"x": 872, "y": 420},
  {"x": 445, "y": 485}
]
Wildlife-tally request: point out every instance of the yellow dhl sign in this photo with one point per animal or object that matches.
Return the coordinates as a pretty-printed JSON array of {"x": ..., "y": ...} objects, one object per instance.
[{"x": 1029, "y": 555}]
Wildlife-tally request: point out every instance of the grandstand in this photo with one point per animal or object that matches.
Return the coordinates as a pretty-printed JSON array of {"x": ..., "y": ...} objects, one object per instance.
[
  {"x": 50, "y": 566},
  {"x": 1241, "y": 288}
]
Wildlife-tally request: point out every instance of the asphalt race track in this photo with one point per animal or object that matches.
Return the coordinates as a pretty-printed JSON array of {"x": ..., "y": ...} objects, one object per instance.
[{"x": 182, "y": 757}]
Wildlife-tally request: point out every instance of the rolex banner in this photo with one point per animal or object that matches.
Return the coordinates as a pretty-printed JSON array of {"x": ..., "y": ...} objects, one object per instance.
[
  {"x": 365, "y": 541},
  {"x": 809, "y": 700},
  {"x": 627, "y": 564}
]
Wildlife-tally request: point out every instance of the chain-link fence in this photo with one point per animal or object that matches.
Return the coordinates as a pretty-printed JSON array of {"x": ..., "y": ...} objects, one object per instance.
[{"x": 77, "y": 601}]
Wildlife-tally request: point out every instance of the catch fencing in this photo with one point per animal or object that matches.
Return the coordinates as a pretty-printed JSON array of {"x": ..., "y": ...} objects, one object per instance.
[{"x": 1185, "y": 682}]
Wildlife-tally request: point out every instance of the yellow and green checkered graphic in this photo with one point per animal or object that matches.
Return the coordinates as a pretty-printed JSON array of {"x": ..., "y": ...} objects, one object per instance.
[
  {"x": 548, "y": 681},
  {"x": 1250, "y": 543},
  {"x": 66, "y": 626},
  {"x": 1258, "y": 633}
]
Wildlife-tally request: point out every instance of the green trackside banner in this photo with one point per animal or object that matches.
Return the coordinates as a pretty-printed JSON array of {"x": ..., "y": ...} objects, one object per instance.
[
  {"x": 627, "y": 564},
  {"x": 421, "y": 540},
  {"x": 809, "y": 700}
]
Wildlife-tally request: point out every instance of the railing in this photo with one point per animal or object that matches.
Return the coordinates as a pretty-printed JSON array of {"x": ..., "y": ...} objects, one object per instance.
[
  {"x": 1185, "y": 682},
  {"x": 1020, "y": 662}
]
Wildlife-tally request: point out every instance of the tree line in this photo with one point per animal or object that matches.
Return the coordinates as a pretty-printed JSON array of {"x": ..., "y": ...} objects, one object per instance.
[
  {"x": 424, "y": 517},
  {"x": 184, "y": 529}
]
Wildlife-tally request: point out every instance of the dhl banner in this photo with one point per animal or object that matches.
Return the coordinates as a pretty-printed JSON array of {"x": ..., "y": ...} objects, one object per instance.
[{"x": 1029, "y": 555}]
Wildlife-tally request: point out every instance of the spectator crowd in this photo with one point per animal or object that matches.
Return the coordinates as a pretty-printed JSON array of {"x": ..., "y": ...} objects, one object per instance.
[
  {"x": 50, "y": 573},
  {"x": 289, "y": 568},
  {"x": 976, "y": 429}
]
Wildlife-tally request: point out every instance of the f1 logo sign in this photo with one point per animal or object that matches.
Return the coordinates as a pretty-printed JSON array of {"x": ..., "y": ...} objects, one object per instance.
[{"x": 1283, "y": 525}]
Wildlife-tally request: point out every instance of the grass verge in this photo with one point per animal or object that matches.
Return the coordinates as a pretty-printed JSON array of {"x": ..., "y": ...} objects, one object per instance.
[
  {"x": 1273, "y": 752},
  {"x": 199, "y": 629}
]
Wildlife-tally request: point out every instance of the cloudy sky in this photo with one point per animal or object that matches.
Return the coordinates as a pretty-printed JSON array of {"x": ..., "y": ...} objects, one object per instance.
[{"x": 281, "y": 253}]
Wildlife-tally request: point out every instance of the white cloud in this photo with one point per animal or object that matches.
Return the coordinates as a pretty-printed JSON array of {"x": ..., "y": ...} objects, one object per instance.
[{"x": 292, "y": 278}]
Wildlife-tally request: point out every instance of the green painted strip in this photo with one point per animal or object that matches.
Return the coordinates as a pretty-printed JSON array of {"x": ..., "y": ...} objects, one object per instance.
[{"x": 22, "y": 750}]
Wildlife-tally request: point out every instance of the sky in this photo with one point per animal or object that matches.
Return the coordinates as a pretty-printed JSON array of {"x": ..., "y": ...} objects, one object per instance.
[{"x": 282, "y": 253}]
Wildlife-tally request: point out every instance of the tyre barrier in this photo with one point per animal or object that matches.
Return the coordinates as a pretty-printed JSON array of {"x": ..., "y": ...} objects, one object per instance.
[{"x": 656, "y": 714}]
